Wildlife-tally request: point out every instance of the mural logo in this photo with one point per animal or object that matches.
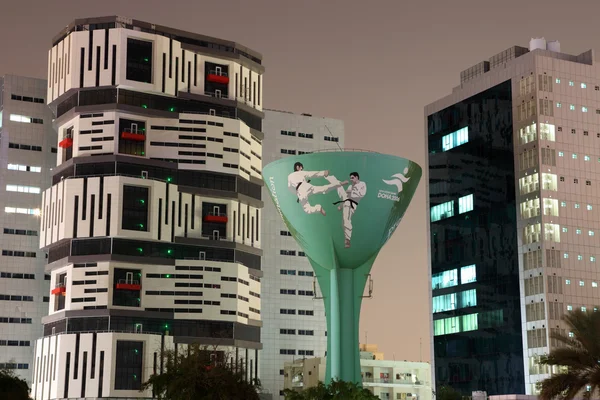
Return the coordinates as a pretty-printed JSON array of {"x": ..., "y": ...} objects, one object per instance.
[{"x": 397, "y": 180}]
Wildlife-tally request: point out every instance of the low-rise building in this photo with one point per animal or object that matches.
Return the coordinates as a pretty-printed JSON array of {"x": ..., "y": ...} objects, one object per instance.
[{"x": 388, "y": 379}]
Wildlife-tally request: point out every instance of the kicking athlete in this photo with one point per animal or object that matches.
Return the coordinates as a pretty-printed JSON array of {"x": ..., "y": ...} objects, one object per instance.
[
  {"x": 349, "y": 200},
  {"x": 299, "y": 184}
]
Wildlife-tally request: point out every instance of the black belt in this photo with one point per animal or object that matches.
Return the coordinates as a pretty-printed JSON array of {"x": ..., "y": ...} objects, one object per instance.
[
  {"x": 297, "y": 186},
  {"x": 352, "y": 203}
]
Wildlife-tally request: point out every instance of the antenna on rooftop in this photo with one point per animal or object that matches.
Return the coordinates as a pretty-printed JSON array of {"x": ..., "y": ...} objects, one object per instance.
[{"x": 338, "y": 144}]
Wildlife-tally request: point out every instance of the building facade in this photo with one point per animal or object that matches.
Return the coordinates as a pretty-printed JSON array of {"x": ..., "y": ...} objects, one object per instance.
[
  {"x": 386, "y": 379},
  {"x": 294, "y": 320},
  {"x": 153, "y": 221},
  {"x": 514, "y": 167},
  {"x": 27, "y": 156}
]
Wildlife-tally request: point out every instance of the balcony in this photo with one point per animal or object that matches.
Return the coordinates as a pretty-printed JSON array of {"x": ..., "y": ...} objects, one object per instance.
[
  {"x": 216, "y": 94},
  {"x": 124, "y": 284},
  {"x": 129, "y": 134},
  {"x": 66, "y": 143},
  {"x": 216, "y": 217},
  {"x": 60, "y": 289},
  {"x": 217, "y": 77}
]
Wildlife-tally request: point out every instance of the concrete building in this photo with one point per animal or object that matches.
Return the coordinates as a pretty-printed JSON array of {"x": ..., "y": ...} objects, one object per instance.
[
  {"x": 27, "y": 156},
  {"x": 153, "y": 221},
  {"x": 387, "y": 379},
  {"x": 514, "y": 173},
  {"x": 294, "y": 320}
]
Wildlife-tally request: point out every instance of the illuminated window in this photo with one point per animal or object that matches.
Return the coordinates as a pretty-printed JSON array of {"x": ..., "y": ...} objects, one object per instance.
[
  {"x": 564, "y": 229},
  {"x": 569, "y": 308},
  {"x": 20, "y": 118},
  {"x": 576, "y": 205},
  {"x": 578, "y": 231},
  {"x": 579, "y": 258},
  {"x": 583, "y": 309},
  {"x": 571, "y": 334},
  {"x": 583, "y": 85},
  {"x": 468, "y": 274},
  {"x": 561, "y": 154},
  {"x": 571, "y": 83},
  {"x": 563, "y": 203},
  {"x": 574, "y": 156},
  {"x": 442, "y": 211},
  {"x": 583, "y": 109},
  {"x": 557, "y": 80},
  {"x": 572, "y": 107},
  {"x": 444, "y": 279},
  {"x": 566, "y": 255},
  {"x": 549, "y": 182},
  {"x": 18, "y": 167},
  {"x": 594, "y": 284},
  {"x": 558, "y": 105},
  {"x": 592, "y": 259},
  {"x": 23, "y": 189},
  {"x": 453, "y": 301},
  {"x": 455, "y": 139},
  {"x": 586, "y": 158},
  {"x": 567, "y": 281},
  {"x": 15, "y": 210},
  {"x": 590, "y": 233},
  {"x": 528, "y": 133},
  {"x": 589, "y": 207},
  {"x": 547, "y": 132},
  {"x": 465, "y": 204}
]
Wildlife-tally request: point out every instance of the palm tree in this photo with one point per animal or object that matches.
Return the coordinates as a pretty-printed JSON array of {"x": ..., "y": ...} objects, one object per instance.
[{"x": 578, "y": 359}]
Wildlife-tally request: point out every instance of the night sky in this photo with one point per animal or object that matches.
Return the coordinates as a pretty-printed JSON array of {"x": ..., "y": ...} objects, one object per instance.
[{"x": 374, "y": 64}]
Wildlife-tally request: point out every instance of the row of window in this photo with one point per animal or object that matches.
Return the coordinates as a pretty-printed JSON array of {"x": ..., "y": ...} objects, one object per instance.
[
  {"x": 25, "y": 232},
  {"x": 292, "y": 352},
  {"x": 293, "y": 152},
  {"x": 16, "y": 210},
  {"x": 29, "y": 168},
  {"x": 13, "y": 366},
  {"x": 446, "y": 210},
  {"x": 23, "y": 189},
  {"x": 25, "y": 119},
  {"x": 291, "y": 253},
  {"x": 300, "y": 292},
  {"x": 8, "y": 297},
  {"x": 27, "y": 99},
  {"x": 293, "y": 272},
  {"x": 21, "y": 343},
  {"x": 445, "y": 279},
  {"x": 582, "y": 85},
  {"x": 301, "y": 332},
  {"x": 16, "y": 275},
  {"x": 24, "y": 147},
  {"x": 300, "y": 134},
  {"x": 18, "y": 253},
  {"x": 11, "y": 320},
  {"x": 581, "y": 283},
  {"x": 291, "y": 311}
]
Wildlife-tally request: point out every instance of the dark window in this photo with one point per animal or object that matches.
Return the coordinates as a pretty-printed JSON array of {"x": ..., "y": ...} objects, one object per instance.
[
  {"x": 139, "y": 60},
  {"x": 128, "y": 365},
  {"x": 128, "y": 144},
  {"x": 125, "y": 292},
  {"x": 135, "y": 208}
]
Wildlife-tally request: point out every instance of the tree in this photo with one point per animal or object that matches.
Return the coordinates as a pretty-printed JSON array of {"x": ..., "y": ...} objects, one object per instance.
[
  {"x": 12, "y": 387},
  {"x": 336, "y": 390},
  {"x": 198, "y": 375},
  {"x": 577, "y": 359},
  {"x": 447, "y": 393}
]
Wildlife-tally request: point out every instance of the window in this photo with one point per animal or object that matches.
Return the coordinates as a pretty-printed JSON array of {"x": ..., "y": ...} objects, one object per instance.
[
  {"x": 27, "y": 120},
  {"x": 584, "y": 109},
  {"x": 594, "y": 284},
  {"x": 23, "y": 189},
  {"x": 574, "y": 156},
  {"x": 135, "y": 208},
  {"x": 569, "y": 308},
  {"x": 563, "y": 203},
  {"x": 331, "y": 139},
  {"x": 468, "y": 274},
  {"x": 583, "y": 85},
  {"x": 561, "y": 154},
  {"x": 566, "y": 255},
  {"x": 455, "y": 139},
  {"x": 17, "y": 167},
  {"x": 572, "y": 107},
  {"x": 139, "y": 60},
  {"x": 581, "y": 283},
  {"x": 592, "y": 259},
  {"x": 578, "y": 231},
  {"x": 444, "y": 279},
  {"x": 586, "y": 158},
  {"x": 571, "y": 334},
  {"x": 128, "y": 365},
  {"x": 576, "y": 205},
  {"x": 442, "y": 211},
  {"x": 557, "y": 80},
  {"x": 29, "y": 211},
  {"x": 288, "y": 133},
  {"x": 571, "y": 83},
  {"x": 590, "y": 233},
  {"x": 589, "y": 207},
  {"x": 564, "y": 229},
  {"x": 465, "y": 204},
  {"x": 579, "y": 258},
  {"x": 558, "y": 105},
  {"x": 567, "y": 281}
]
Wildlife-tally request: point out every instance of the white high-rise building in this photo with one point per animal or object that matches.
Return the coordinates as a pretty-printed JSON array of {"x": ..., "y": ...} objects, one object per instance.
[
  {"x": 294, "y": 319},
  {"x": 27, "y": 156},
  {"x": 152, "y": 223},
  {"x": 514, "y": 173}
]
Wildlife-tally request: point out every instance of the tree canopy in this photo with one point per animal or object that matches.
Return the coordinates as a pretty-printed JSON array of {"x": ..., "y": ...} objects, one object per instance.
[
  {"x": 336, "y": 390},
  {"x": 12, "y": 387},
  {"x": 577, "y": 359},
  {"x": 198, "y": 376}
]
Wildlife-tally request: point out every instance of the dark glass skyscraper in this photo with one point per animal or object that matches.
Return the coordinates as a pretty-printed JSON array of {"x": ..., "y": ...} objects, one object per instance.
[{"x": 474, "y": 258}]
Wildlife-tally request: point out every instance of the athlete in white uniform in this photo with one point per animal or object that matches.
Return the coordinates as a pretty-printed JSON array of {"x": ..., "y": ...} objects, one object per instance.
[
  {"x": 299, "y": 184},
  {"x": 348, "y": 203}
]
